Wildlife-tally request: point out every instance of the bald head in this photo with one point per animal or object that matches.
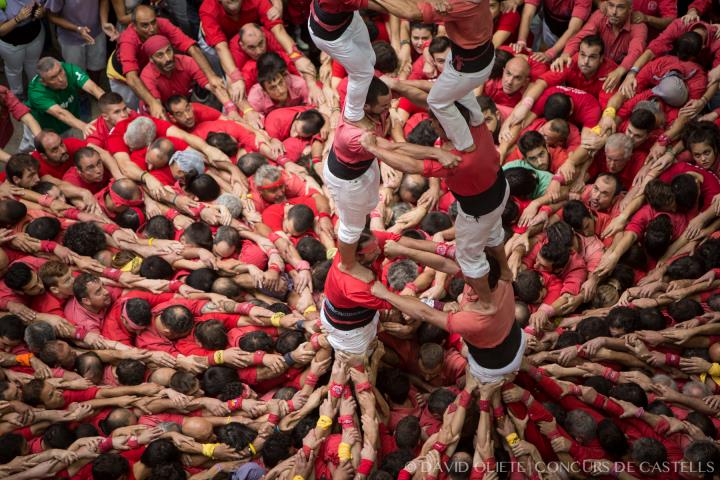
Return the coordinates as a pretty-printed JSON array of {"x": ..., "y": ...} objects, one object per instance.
[
  {"x": 516, "y": 75},
  {"x": 127, "y": 189},
  {"x": 252, "y": 40},
  {"x": 197, "y": 428}
]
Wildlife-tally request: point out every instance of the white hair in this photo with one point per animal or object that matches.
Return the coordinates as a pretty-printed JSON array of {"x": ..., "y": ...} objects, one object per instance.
[
  {"x": 267, "y": 174},
  {"x": 618, "y": 141},
  {"x": 140, "y": 133},
  {"x": 232, "y": 202}
]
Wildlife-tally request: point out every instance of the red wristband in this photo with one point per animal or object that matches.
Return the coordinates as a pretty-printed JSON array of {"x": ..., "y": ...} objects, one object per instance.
[
  {"x": 197, "y": 210},
  {"x": 258, "y": 357},
  {"x": 47, "y": 246},
  {"x": 110, "y": 228},
  {"x": 311, "y": 380},
  {"x": 273, "y": 419},
  {"x": 316, "y": 160},
  {"x": 346, "y": 421},
  {"x": 672, "y": 359},
  {"x": 45, "y": 200},
  {"x": 273, "y": 237},
  {"x": 171, "y": 214},
  {"x": 112, "y": 273},
  {"x": 323, "y": 215},
  {"x": 276, "y": 267},
  {"x": 291, "y": 405},
  {"x": 362, "y": 387},
  {"x": 133, "y": 442},
  {"x": 464, "y": 399},
  {"x": 336, "y": 390},
  {"x": 244, "y": 308},
  {"x": 499, "y": 411},
  {"x": 484, "y": 405},
  {"x": 211, "y": 359},
  {"x": 106, "y": 444},
  {"x": 236, "y": 75},
  {"x": 365, "y": 467},
  {"x": 175, "y": 285},
  {"x": 71, "y": 213},
  {"x": 315, "y": 341},
  {"x": 440, "y": 447},
  {"x": 80, "y": 333},
  {"x": 302, "y": 265},
  {"x": 404, "y": 475}
]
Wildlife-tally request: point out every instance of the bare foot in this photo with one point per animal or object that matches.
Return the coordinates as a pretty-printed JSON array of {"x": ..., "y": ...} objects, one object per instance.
[{"x": 358, "y": 271}]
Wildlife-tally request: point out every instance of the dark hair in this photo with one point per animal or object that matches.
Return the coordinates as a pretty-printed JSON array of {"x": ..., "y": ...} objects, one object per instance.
[
  {"x": 85, "y": 238},
  {"x": 12, "y": 327},
  {"x": 58, "y": 435},
  {"x": 568, "y": 338},
  {"x": 159, "y": 227},
  {"x": 574, "y": 212},
  {"x": 612, "y": 439},
  {"x": 250, "y": 163},
  {"x": 556, "y": 253},
  {"x": 601, "y": 384},
  {"x": 43, "y": 228},
  {"x": 80, "y": 286},
  {"x": 522, "y": 182},
  {"x": 155, "y": 267},
  {"x": 593, "y": 327},
  {"x": 223, "y": 142},
  {"x": 178, "y": 319},
  {"x": 501, "y": 58},
  {"x": 130, "y": 372},
  {"x": 109, "y": 98},
  {"x": 110, "y": 466},
  {"x": 18, "y": 163},
  {"x": 684, "y": 309},
  {"x": 527, "y": 286},
  {"x": 139, "y": 311},
  {"x": 630, "y": 392},
  {"x": 643, "y": 119},
  {"x": 658, "y": 235},
  {"x": 648, "y": 451},
  {"x": 651, "y": 318},
  {"x": 395, "y": 461},
  {"x": 439, "y": 400},
  {"x": 302, "y": 217},
  {"x": 530, "y": 140},
  {"x": 211, "y": 335},
  {"x": 560, "y": 232},
  {"x": 703, "y": 422},
  {"x": 386, "y": 60},
  {"x": 395, "y": 384},
  {"x": 702, "y": 132},
  {"x": 18, "y": 275},
  {"x": 203, "y": 186},
  {"x": 311, "y": 250},
  {"x": 423, "y": 134},
  {"x": 313, "y": 122},
  {"x": 11, "y": 446},
  {"x": 269, "y": 66},
  {"x": 686, "y": 192},
  {"x": 687, "y": 46},
  {"x": 202, "y": 279},
  {"x": 624, "y": 318},
  {"x": 407, "y": 432},
  {"x": 160, "y": 452},
  {"x": 376, "y": 90},
  {"x": 435, "y": 222},
  {"x": 558, "y": 105},
  {"x": 199, "y": 234},
  {"x": 689, "y": 267},
  {"x": 659, "y": 194},
  {"x": 11, "y": 212},
  {"x": 276, "y": 448},
  {"x": 253, "y": 341},
  {"x": 438, "y": 45},
  {"x": 594, "y": 41},
  {"x": 236, "y": 435}
]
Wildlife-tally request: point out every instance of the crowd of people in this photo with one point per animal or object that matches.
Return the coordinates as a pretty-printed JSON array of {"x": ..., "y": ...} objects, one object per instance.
[{"x": 360, "y": 239}]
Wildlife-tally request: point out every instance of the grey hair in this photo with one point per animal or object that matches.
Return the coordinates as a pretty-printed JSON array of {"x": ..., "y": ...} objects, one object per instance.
[
  {"x": 399, "y": 209},
  {"x": 140, "y": 133},
  {"x": 620, "y": 141},
  {"x": 580, "y": 425},
  {"x": 38, "y": 334},
  {"x": 189, "y": 160},
  {"x": 649, "y": 105},
  {"x": 662, "y": 379},
  {"x": 45, "y": 64},
  {"x": 696, "y": 386},
  {"x": 232, "y": 202},
  {"x": 401, "y": 273},
  {"x": 267, "y": 174}
]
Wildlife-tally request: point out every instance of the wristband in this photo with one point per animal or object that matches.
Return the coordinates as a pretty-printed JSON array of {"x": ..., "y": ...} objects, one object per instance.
[
  {"x": 298, "y": 477},
  {"x": 282, "y": 160},
  {"x": 323, "y": 215},
  {"x": 133, "y": 442},
  {"x": 663, "y": 140},
  {"x": 346, "y": 421},
  {"x": 639, "y": 412},
  {"x": 550, "y": 53},
  {"x": 274, "y": 266},
  {"x": 315, "y": 341},
  {"x": 634, "y": 69},
  {"x": 672, "y": 360},
  {"x": 546, "y": 209},
  {"x": 365, "y": 466},
  {"x": 258, "y": 357},
  {"x": 171, "y": 214},
  {"x": 71, "y": 213},
  {"x": 559, "y": 178},
  {"x": 525, "y": 397},
  {"x": 404, "y": 475},
  {"x": 512, "y": 439},
  {"x": 106, "y": 445},
  {"x": 499, "y": 411},
  {"x": 235, "y": 76},
  {"x": 252, "y": 449},
  {"x": 289, "y": 360},
  {"x": 110, "y": 228},
  {"x": 46, "y": 200},
  {"x": 112, "y": 273},
  {"x": 599, "y": 401},
  {"x": 196, "y": 211},
  {"x": 324, "y": 422},
  {"x": 310, "y": 309},
  {"x": 47, "y": 246},
  {"x": 295, "y": 54},
  {"x": 609, "y": 112},
  {"x": 714, "y": 370},
  {"x": 80, "y": 333},
  {"x": 275, "y": 319},
  {"x": 576, "y": 390},
  {"x": 291, "y": 405},
  {"x": 611, "y": 374},
  {"x": 273, "y": 419},
  {"x": 336, "y": 390},
  {"x": 311, "y": 380},
  {"x": 23, "y": 359},
  {"x": 150, "y": 241},
  {"x": 375, "y": 214},
  {"x": 246, "y": 110},
  {"x": 230, "y": 107},
  {"x": 235, "y": 404},
  {"x": 302, "y": 265},
  {"x": 464, "y": 399},
  {"x": 208, "y": 449},
  {"x": 344, "y": 452},
  {"x": 547, "y": 309},
  {"x": 218, "y": 357},
  {"x": 316, "y": 159},
  {"x": 142, "y": 175},
  {"x": 363, "y": 387},
  {"x": 441, "y": 249},
  {"x": 412, "y": 287},
  {"x": 484, "y": 405},
  {"x": 274, "y": 237},
  {"x": 440, "y": 447},
  {"x": 244, "y": 308},
  {"x": 528, "y": 102}
]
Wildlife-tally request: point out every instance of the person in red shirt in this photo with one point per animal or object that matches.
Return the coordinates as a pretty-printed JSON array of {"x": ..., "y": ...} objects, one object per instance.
[
  {"x": 508, "y": 90},
  {"x": 187, "y": 115},
  {"x": 478, "y": 184},
  {"x": 55, "y": 154},
  {"x": 112, "y": 111},
  {"x": 624, "y": 40},
  {"x": 168, "y": 74},
  {"x": 657, "y": 15},
  {"x": 89, "y": 171},
  {"x": 128, "y": 60},
  {"x": 469, "y": 27},
  {"x": 11, "y": 106},
  {"x": 505, "y": 24}
]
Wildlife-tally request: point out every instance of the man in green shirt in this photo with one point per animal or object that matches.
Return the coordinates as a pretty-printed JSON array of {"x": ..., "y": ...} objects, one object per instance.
[
  {"x": 536, "y": 157},
  {"x": 54, "y": 96}
]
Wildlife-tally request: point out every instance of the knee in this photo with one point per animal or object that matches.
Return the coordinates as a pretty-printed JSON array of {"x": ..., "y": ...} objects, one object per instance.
[{"x": 348, "y": 233}]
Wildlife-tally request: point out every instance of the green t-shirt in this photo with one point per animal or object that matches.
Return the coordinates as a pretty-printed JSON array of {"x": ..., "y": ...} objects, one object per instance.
[
  {"x": 41, "y": 98},
  {"x": 544, "y": 178}
]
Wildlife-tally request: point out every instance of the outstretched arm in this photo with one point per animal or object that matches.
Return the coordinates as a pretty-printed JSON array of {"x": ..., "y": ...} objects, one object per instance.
[{"x": 411, "y": 306}]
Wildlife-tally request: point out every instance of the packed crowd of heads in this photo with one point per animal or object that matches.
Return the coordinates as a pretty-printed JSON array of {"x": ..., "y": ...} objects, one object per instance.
[{"x": 166, "y": 235}]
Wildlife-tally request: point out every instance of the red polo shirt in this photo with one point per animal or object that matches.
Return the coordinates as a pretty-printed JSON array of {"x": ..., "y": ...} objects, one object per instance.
[
  {"x": 346, "y": 291},
  {"x": 116, "y": 143},
  {"x": 572, "y": 77},
  {"x": 639, "y": 222},
  {"x": 102, "y": 131},
  {"x": 663, "y": 44},
  {"x": 55, "y": 170},
  {"x": 202, "y": 113},
  {"x": 131, "y": 56},
  {"x": 493, "y": 89},
  {"x": 585, "y": 107},
  {"x": 248, "y": 66},
  {"x": 468, "y": 24},
  {"x": 179, "y": 82},
  {"x": 347, "y": 141},
  {"x": 656, "y": 8},
  {"x": 217, "y": 26},
  {"x": 692, "y": 73},
  {"x": 73, "y": 177},
  {"x": 564, "y": 9},
  {"x": 294, "y": 187},
  {"x": 623, "y": 48}
]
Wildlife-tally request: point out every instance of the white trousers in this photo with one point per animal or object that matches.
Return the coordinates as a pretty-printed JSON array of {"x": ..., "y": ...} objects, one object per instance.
[
  {"x": 88, "y": 57},
  {"x": 21, "y": 57},
  {"x": 473, "y": 234},
  {"x": 490, "y": 375},
  {"x": 357, "y": 341},
  {"x": 354, "y": 52},
  {"x": 354, "y": 200},
  {"x": 453, "y": 86}
]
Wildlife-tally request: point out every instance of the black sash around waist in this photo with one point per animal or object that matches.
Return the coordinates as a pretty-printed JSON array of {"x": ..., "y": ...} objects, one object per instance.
[
  {"x": 484, "y": 202},
  {"x": 320, "y": 20},
  {"x": 471, "y": 60},
  {"x": 346, "y": 171},
  {"x": 348, "y": 318},
  {"x": 501, "y": 355}
]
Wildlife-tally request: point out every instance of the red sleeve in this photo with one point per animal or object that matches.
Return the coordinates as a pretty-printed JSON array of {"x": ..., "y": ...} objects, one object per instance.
[
  {"x": 573, "y": 280},
  {"x": 148, "y": 77},
  {"x": 434, "y": 169},
  {"x": 203, "y": 113},
  {"x": 178, "y": 39},
  {"x": 273, "y": 217},
  {"x": 262, "y": 8},
  {"x": 590, "y": 28},
  {"x": 554, "y": 288},
  {"x": 338, "y": 71},
  {"x": 210, "y": 12},
  {"x": 668, "y": 8},
  {"x": 508, "y": 22},
  {"x": 127, "y": 51},
  {"x": 582, "y": 9},
  {"x": 195, "y": 71},
  {"x": 664, "y": 42},
  {"x": 295, "y": 186},
  {"x": 638, "y": 40},
  {"x": 557, "y": 78},
  {"x": 248, "y": 375},
  {"x": 239, "y": 56},
  {"x": 639, "y": 221},
  {"x": 72, "y": 396},
  {"x": 702, "y": 6},
  {"x": 16, "y": 108}
]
